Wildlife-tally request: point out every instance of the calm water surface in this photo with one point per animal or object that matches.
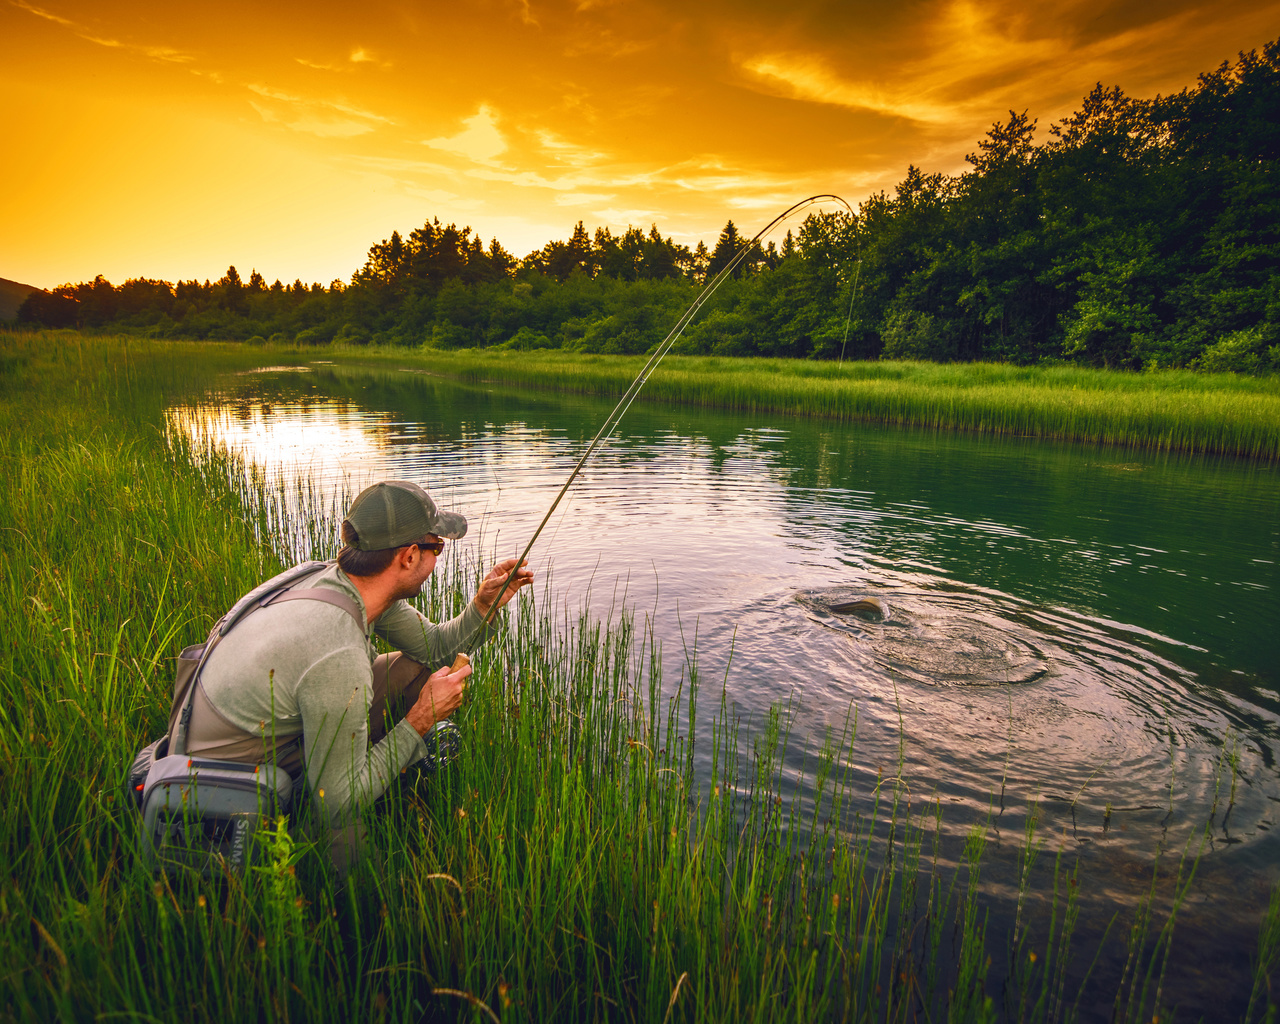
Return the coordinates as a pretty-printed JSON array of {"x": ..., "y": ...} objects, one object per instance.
[{"x": 1091, "y": 628}]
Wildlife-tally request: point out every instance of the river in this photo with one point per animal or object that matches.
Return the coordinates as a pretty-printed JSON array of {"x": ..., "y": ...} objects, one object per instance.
[{"x": 1092, "y": 629}]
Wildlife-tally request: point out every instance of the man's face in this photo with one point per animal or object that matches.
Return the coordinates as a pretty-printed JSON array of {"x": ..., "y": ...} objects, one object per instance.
[{"x": 416, "y": 577}]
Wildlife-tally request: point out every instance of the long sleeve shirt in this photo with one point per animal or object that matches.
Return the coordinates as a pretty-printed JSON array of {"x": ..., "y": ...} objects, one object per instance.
[{"x": 305, "y": 668}]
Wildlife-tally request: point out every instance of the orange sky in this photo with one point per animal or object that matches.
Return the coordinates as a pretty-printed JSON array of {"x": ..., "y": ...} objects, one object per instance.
[{"x": 172, "y": 139}]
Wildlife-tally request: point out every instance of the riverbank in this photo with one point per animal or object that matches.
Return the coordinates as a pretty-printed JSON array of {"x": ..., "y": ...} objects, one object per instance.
[
  {"x": 1170, "y": 410},
  {"x": 569, "y": 868},
  {"x": 1174, "y": 410}
]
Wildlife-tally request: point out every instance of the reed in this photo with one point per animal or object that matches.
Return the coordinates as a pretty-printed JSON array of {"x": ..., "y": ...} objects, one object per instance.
[
  {"x": 1174, "y": 410},
  {"x": 570, "y": 866}
]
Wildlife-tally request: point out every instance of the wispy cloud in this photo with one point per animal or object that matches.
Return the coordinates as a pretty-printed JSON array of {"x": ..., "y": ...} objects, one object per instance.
[
  {"x": 973, "y": 59},
  {"x": 583, "y": 198},
  {"x": 807, "y": 77},
  {"x": 314, "y": 116},
  {"x": 564, "y": 151},
  {"x": 526, "y": 12},
  {"x": 325, "y": 127},
  {"x": 166, "y": 54},
  {"x": 612, "y": 215},
  {"x": 563, "y": 182},
  {"x": 397, "y": 165},
  {"x": 360, "y": 55},
  {"x": 479, "y": 141},
  {"x": 363, "y": 55}
]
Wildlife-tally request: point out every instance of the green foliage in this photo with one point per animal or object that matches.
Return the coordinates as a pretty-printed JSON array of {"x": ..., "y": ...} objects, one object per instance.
[
  {"x": 525, "y": 340},
  {"x": 1244, "y": 351}
]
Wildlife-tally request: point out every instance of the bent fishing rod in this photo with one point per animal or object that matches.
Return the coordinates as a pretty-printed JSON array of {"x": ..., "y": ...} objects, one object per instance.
[{"x": 624, "y": 403}]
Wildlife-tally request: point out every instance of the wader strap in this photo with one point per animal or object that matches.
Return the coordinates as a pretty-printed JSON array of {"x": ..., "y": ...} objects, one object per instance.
[
  {"x": 327, "y": 596},
  {"x": 246, "y": 606}
]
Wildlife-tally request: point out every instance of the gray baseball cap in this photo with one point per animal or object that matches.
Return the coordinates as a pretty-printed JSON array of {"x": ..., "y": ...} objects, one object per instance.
[{"x": 394, "y": 513}]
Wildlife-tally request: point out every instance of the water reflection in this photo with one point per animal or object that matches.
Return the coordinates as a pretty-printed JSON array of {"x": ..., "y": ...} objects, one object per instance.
[{"x": 1082, "y": 627}]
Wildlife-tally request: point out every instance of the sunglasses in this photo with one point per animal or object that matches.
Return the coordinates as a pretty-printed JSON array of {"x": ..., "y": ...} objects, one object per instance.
[{"x": 436, "y": 547}]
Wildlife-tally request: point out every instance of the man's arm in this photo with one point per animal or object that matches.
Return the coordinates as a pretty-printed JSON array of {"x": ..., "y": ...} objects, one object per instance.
[
  {"x": 408, "y": 630},
  {"x": 343, "y": 771}
]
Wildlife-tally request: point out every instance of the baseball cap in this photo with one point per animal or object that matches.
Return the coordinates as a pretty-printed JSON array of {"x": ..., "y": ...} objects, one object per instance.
[{"x": 394, "y": 513}]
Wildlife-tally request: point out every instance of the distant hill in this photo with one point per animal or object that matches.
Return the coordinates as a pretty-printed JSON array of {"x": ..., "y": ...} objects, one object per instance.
[{"x": 12, "y": 295}]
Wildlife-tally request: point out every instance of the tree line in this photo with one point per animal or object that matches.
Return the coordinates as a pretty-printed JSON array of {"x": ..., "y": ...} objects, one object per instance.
[{"x": 1135, "y": 233}]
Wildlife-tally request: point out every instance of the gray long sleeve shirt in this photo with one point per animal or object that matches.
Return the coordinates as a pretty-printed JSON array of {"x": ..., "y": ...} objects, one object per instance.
[{"x": 305, "y": 667}]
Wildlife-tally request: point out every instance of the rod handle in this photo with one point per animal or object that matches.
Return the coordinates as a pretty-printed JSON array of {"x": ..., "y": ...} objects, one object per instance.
[{"x": 459, "y": 662}]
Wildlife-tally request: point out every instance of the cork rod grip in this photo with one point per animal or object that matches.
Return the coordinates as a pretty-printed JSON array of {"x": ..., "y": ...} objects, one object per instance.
[{"x": 459, "y": 662}]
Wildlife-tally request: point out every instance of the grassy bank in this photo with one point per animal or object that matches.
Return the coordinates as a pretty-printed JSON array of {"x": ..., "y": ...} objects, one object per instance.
[
  {"x": 569, "y": 867},
  {"x": 1169, "y": 409}
]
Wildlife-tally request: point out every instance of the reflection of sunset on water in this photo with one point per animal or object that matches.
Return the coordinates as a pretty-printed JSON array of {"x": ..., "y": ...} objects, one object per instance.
[{"x": 327, "y": 440}]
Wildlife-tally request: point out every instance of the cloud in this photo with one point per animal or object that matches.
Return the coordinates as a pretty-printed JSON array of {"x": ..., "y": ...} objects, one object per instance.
[
  {"x": 604, "y": 43},
  {"x": 806, "y": 77},
  {"x": 346, "y": 108},
  {"x": 274, "y": 94},
  {"x": 360, "y": 55},
  {"x": 314, "y": 116},
  {"x": 40, "y": 12},
  {"x": 479, "y": 141},
  {"x": 583, "y": 198},
  {"x": 612, "y": 215},
  {"x": 165, "y": 54},
  {"x": 565, "y": 151},
  {"x": 397, "y": 165},
  {"x": 972, "y": 61},
  {"x": 327, "y": 128},
  {"x": 563, "y": 182}
]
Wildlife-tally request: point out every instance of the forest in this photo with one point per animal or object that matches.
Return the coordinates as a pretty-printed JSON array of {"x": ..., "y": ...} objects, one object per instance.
[{"x": 1133, "y": 234}]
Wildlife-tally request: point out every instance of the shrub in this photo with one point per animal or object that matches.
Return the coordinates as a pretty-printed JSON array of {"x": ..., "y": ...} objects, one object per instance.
[
  {"x": 1244, "y": 351},
  {"x": 313, "y": 336},
  {"x": 525, "y": 340}
]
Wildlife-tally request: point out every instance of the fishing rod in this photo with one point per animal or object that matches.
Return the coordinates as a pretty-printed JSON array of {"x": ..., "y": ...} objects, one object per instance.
[{"x": 624, "y": 403}]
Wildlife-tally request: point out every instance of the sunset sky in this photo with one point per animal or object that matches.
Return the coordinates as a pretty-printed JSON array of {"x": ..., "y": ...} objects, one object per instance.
[{"x": 170, "y": 140}]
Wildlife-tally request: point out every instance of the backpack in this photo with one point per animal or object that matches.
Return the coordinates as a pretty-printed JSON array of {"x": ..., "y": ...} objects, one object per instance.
[{"x": 199, "y": 812}]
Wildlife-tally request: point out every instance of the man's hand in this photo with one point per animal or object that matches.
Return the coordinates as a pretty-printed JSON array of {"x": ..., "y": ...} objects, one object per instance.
[
  {"x": 441, "y": 696},
  {"x": 492, "y": 583}
]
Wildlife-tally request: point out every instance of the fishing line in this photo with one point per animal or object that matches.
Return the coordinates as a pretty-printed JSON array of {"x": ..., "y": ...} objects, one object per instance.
[
  {"x": 848, "y": 319},
  {"x": 624, "y": 403}
]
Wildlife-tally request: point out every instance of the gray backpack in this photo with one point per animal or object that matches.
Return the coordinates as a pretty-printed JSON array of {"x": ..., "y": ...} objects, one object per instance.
[{"x": 202, "y": 813}]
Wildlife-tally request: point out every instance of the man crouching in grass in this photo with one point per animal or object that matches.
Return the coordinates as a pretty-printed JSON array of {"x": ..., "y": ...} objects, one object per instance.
[{"x": 298, "y": 684}]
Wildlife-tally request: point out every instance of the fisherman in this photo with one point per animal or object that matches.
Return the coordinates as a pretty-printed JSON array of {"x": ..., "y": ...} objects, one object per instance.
[{"x": 298, "y": 682}]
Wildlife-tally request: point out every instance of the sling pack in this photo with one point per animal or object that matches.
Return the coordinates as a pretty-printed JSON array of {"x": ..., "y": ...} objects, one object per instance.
[{"x": 199, "y": 812}]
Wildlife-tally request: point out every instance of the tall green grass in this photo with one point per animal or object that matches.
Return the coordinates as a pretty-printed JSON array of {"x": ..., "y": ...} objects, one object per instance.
[
  {"x": 569, "y": 867},
  {"x": 1169, "y": 409}
]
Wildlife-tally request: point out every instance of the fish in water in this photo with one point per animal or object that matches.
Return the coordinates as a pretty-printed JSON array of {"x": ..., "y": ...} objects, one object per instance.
[{"x": 870, "y": 609}]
